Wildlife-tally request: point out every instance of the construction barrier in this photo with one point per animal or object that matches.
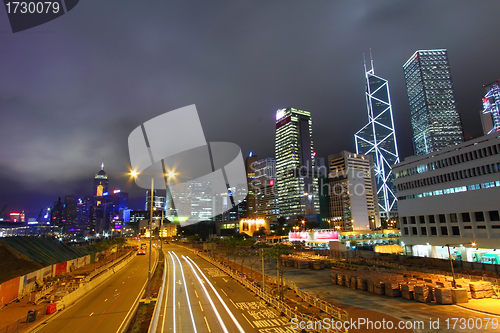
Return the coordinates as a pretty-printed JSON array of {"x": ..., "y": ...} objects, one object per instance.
[{"x": 51, "y": 308}]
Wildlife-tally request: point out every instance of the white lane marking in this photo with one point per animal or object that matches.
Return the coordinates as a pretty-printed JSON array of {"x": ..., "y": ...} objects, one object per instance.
[
  {"x": 208, "y": 326},
  {"x": 223, "y": 291},
  {"x": 217, "y": 314},
  {"x": 235, "y": 321},
  {"x": 91, "y": 314},
  {"x": 200, "y": 305},
  {"x": 247, "y": 320},
  {"x": 233, "y": 303},
  {"x": 187, "y": 294}
]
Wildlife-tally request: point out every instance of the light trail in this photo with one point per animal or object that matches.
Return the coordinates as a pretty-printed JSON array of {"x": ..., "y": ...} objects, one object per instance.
[
  {"x": 235, "y": 321},
  {"x": 217, "y": 314},
  {"x": 173, "y": 304},
  {"x": 187, "y": 294},
  {"x": 166, "y": 301}
]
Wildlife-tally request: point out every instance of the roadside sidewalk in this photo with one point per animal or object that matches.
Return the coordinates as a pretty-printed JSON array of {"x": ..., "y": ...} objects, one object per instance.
[{"x": 485, "y": 305}]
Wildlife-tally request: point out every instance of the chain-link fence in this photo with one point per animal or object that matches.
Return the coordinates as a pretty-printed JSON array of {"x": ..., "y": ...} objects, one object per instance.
[{"x": 32, "y": 316}]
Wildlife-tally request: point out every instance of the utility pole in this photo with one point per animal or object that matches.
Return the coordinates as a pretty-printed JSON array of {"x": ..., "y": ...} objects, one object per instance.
[
  {"x": 263, "y": 272},
  {"x": 161, "y": 225},
  {"x": 278, "y": 274},
  {"x": 150, "y": 239}
]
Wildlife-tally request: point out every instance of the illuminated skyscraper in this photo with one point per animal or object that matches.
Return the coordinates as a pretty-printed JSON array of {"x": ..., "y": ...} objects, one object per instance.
[
  {"x": 490, "y": 115},
  {"x": 434, "y": 117},
  {"x": 379, "y": 139},
  {"x": 99, "y": 220},
  {"x": 295, "y": 164}
]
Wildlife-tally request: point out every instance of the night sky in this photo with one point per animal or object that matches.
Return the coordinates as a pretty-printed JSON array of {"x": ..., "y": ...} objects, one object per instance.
[{"x": 73, "y": 89}]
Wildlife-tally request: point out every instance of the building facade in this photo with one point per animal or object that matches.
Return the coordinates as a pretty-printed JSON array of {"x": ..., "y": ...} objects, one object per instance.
[
  {"x": 378, "y": 138},
  {"x": 295, "y": 164},
  {"x": 265, "y": 189},
  {"x": 451, "y": 197},
  {"x": 350, "y": 191},
  {"x": 434, "y": 118},
  {"x": 490, "y": 115},
  {"x": 250, "y": 200}
]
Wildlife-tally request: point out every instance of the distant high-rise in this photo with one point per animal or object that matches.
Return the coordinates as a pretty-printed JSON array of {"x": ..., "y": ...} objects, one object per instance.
[
  {"x": 99, "y": 220},
  {"x": 490, "y": 115},
  {"x": 349, "y": 197},
  {"x": 379, "y": 139},
  {"x": 250, "y": 201},
  {"x": 264, "y": 189},
  {"x": 158, "y": 201},
  {"x": 295, "y": 164},
  {"x": 100, "y": 185},
  {"x": 434, "y": 117}
]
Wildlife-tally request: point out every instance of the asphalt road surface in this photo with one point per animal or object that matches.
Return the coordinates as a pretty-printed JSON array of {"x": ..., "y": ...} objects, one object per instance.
[
  {"x": 105, "y": 307},
  {"x": 201, "y": 298}
]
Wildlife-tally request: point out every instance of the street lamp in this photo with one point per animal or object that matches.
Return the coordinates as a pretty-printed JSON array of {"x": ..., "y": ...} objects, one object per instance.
[
  {"x": 473, "y": 244},
  {"x": 135, "y": 174}
]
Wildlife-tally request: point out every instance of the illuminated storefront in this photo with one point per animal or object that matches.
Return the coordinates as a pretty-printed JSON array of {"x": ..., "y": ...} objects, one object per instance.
[
  {"x": 321, "y": 238},
  {"x": 249, "y": 226}
]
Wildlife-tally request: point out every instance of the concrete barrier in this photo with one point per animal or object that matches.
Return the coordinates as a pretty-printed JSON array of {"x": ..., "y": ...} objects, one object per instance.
[{"x": 86, "y": 288}]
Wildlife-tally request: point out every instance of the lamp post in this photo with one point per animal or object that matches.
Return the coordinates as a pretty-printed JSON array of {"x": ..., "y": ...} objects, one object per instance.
[
  {"x": 451, "y": 261},
  {"x": 134, "y": 174},
  {"x": 150, "y": 238}
]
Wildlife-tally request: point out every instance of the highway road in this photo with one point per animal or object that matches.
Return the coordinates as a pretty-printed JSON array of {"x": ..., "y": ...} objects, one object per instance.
[
  {"x": 201, "y": 298},
  {"x": 104, "y": 308}
]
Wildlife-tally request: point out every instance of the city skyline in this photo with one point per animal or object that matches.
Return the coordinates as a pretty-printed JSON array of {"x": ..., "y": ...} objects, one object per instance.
[{"x": 71, "y": 91}]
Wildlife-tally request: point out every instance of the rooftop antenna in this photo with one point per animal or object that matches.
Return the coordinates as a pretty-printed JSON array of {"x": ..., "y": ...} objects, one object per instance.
[
  {"x": 364, "y": 61},
  {"x": 371, "y": 60}
]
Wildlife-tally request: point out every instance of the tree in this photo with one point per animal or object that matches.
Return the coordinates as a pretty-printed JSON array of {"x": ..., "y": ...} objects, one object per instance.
[
  {"x": 259, "y": 233},
  {"x": 192, "y": 238},
  {"x": 275, "y": 256}
]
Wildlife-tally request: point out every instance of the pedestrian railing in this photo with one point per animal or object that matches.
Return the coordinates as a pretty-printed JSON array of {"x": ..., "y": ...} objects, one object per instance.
[{"x": 41, "y": 294}]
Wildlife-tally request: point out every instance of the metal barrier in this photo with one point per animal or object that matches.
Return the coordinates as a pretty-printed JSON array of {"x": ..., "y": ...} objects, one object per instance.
[
  {"x": 107, "y": 266},
  {"x": 39, "y": 295},
  {"x": 156, "y": 313}
]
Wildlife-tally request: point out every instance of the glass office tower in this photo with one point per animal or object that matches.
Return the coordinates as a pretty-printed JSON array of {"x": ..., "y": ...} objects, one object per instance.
[
  {"x": 434, "y": 117},
  {"x": 379, "y": 139},
  {"x": 295, "y": 164}
]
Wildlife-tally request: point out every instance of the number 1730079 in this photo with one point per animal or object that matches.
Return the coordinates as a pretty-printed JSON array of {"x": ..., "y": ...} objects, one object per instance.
[{"x": 34, "y": 7}]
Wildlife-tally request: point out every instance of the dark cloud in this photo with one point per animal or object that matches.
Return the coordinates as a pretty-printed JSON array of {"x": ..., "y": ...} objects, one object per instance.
[{"x": 73, "y": 89}]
